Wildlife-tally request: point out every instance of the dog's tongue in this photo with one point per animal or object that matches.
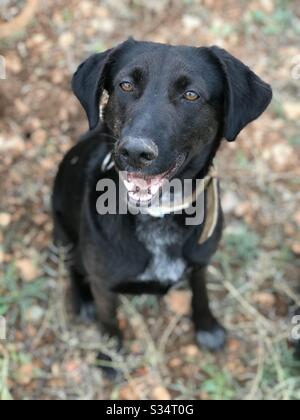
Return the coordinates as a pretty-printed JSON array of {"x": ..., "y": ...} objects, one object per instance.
[{"x": 143, "y": 188}]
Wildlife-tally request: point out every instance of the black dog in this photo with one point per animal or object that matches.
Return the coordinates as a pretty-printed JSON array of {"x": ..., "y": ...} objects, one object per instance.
[
  {"x": 168, "y": 109},
  {"x": 297, "y": 343}
]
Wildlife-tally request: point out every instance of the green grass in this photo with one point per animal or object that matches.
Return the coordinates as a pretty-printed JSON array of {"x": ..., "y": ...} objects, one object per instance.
[
  {"x": 15, "y": 296},
  {"x": 242, "y": 159},
  {"x": 277, "y": 109},
  {"x": 98, "y": 47},
  {"x": 281, "y": 374},
  {"x": 241, "y": 247},
  {"x": 294, "y": 140},
  {"x": 273, "y": 24},
  {"x": 222, "y": 30},
  {"x": 68, "y": 15},
  {"x": 218, "y": 384}
]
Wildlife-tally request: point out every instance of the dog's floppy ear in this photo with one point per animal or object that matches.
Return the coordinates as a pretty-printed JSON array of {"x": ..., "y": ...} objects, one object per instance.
[
  {"x": 88, "y": 82},
  {"x": 246, "y": 96},
  {"x": 87, "y": 85}
]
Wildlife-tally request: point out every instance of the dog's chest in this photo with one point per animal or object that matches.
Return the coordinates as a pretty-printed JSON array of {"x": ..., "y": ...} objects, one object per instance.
[{"x": 164, "y": 240}]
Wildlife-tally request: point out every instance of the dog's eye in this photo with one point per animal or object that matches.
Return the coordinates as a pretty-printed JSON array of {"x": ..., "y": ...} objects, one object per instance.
[
  {"x": 126, "y": 86},
  {"x": 191, "y": 96}
]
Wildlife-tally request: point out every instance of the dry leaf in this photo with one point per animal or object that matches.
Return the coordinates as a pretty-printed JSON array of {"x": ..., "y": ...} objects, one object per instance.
[
  {"x": 27, "y": 269},
  {"x": 292, "y": 110},
  {"x": 230, "y": 201},
  {"x": 297, "y": 218},
  {"x": 20, "y": 22},
  {"x": 280, "y": 156},
  {"x": 128, "y": 392},
  {"x": 34, "y": 314},
  {"x": 21, "y": 107},
  {"x": 204, "y": 396},
  {"x": 296, "y": 248},
  {"x": 57, "y": 383},
  {"x": 264, "y": 299},
  {"x": 39, "y": 137},
  {"x": 13, "y": 144},
  {"x": 175, "y": 363},
  {"x": 13, "y": 63},
  {"x": 25, "y": 374},
  {"x": 244, "y": 209},
  {"x": 179, "y": 302},
  {"x": 191, "y": 350},
  {"x": 57, "y": 77},
  {"x": 5, "y": 219},
  {"x": 160, "y": 393},
  {"x": 233, "y": 345},
  {"x": 71, "y": 366},
  {"x": 66, "y": 40},
  {"x": 289, "y": 229}
]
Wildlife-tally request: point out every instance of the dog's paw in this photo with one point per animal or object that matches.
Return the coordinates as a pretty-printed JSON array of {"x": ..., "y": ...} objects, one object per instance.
[
  {"x": 104, "y": 362},
  {"x": 213, "y": 340}
]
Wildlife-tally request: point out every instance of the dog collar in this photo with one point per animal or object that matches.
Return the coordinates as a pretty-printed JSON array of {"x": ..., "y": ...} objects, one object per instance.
[{"x": 210, "y": 186}]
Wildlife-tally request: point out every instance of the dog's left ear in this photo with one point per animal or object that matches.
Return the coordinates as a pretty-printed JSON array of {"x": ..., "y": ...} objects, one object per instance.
[
  {"x": 246, "y": 96},
  {"x": 89, "y": 80}
]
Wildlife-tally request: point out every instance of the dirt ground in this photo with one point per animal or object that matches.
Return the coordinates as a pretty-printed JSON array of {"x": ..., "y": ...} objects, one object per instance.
[{"x": 254, "y": 278}]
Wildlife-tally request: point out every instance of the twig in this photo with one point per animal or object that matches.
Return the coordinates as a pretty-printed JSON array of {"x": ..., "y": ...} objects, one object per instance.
[
  {"x": 283, "y": 287},
  {"x": 166, "y": 335},
  {"x": 21, "y": 21},
  {"x": 246, "y": 305},
  {"x": 259, "y": 374},
  {"x": 4, "y": 392}
]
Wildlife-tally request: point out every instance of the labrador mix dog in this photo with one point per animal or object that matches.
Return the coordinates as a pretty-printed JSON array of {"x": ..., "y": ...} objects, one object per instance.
[{"x": 167, "y": 110}]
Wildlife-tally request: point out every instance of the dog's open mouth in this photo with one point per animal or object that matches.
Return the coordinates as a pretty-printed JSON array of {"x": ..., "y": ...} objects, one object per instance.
[{"x": 143, "y": 189}]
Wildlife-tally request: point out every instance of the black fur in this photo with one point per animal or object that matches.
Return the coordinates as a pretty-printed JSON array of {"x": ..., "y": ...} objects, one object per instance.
[{"x": 108, "y": 255}]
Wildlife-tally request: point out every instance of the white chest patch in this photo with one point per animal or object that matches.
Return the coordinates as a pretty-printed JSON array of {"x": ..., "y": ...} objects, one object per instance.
[{"x": 163, "y": 241}]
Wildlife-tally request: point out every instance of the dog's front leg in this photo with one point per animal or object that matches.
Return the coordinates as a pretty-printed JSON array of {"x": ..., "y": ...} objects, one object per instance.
[
  {"x": 209, "y": 333},
  {"x": 106, "y": 307}
]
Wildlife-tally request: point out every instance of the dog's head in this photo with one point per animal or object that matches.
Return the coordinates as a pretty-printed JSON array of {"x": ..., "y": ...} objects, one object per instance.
[{"x": 168, "y": 106}]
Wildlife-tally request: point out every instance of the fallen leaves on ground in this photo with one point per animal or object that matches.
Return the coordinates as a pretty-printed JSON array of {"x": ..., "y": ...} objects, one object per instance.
[
  {"x": 27, "y": 269},
  {"x": 179, "y": 302}
]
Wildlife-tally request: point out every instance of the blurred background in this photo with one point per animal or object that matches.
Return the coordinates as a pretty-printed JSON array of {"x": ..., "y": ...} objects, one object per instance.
[{"x": 254, "y": 278}]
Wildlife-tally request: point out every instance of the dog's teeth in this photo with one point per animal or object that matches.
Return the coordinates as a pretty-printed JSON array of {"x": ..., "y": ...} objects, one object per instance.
[
  {"x": 141, "y": 197},
  {"x": 154, "y": 189},
  {"x": 132, "y": 195},
  {"x": 129, "y": 185},
  {"x": 147, "y": 196}
]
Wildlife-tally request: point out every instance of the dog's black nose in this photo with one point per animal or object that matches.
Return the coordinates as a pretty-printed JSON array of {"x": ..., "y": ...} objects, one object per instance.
[{"x": 138, "y": 152}]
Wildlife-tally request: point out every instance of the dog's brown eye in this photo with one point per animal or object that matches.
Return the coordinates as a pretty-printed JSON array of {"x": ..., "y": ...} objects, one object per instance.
[
  {"x": 191, "y": 96},
  {"x": 126, "y": 86}
]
